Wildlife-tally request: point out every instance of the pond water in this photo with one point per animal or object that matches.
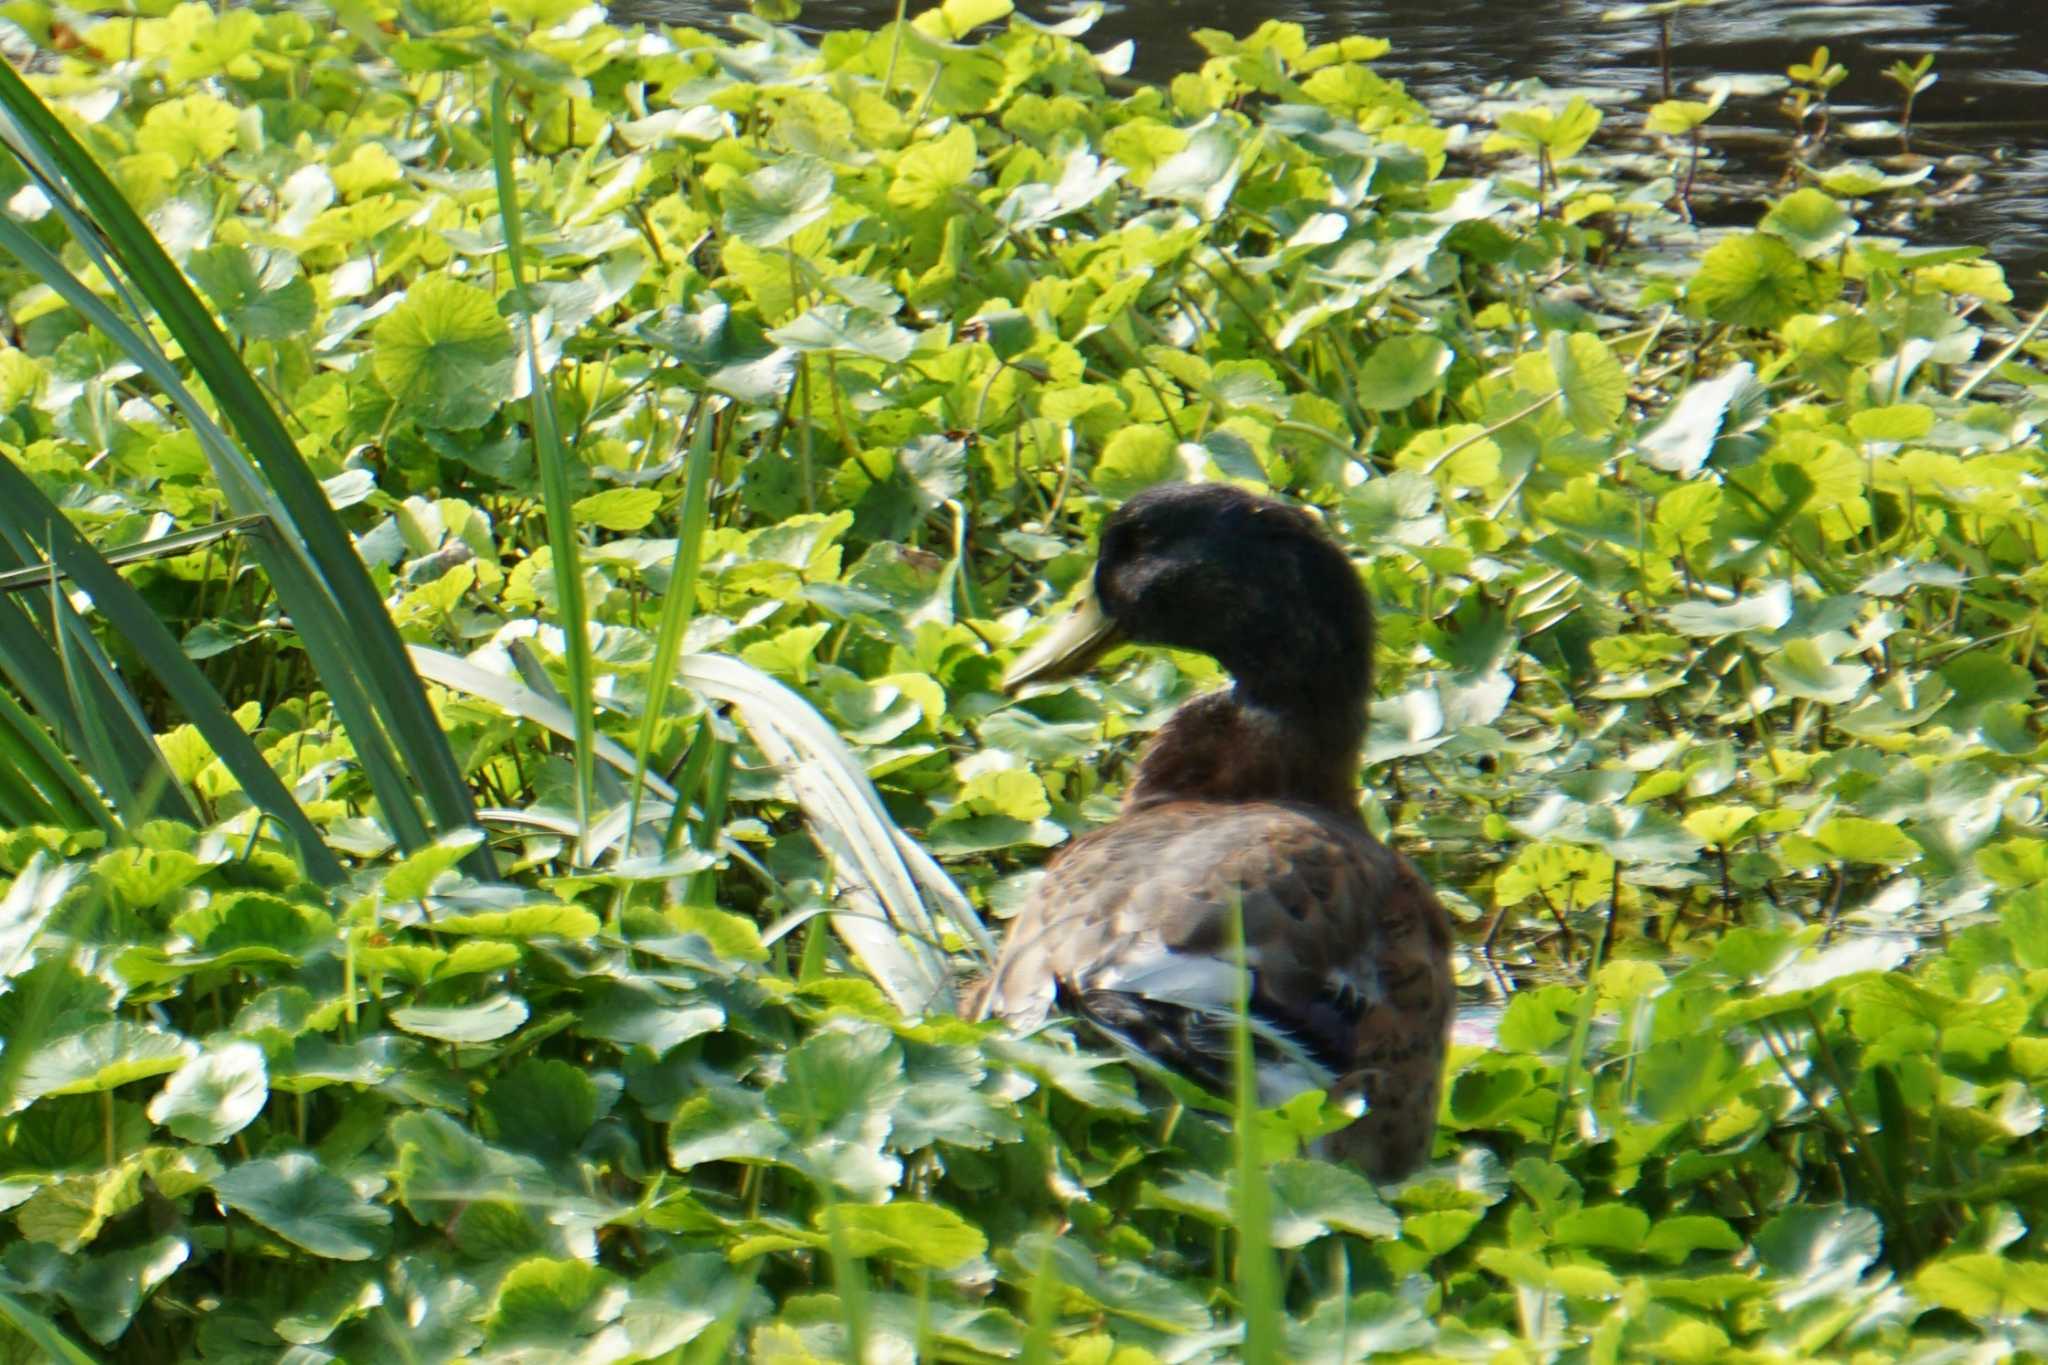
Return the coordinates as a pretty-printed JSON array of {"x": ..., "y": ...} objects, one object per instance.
[{"x": 1984, "y": 122}]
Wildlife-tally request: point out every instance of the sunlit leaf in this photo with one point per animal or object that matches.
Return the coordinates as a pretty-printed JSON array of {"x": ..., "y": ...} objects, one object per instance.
[
  {"x": 1810, "y": 221},
  {"x": 295, "y": 1198},
  {"x": 913, "y": 1233},
  {"x": 1595, "y": 387},
  {"x": 479, "y": 1023},
  {"x": 1803, "y": 669},
  {"x": 1752, "y": 280},
  {"x": 929, "y": 172},
  {"x": 444, "y": 354},
  {"x": 1683, "y": 439},
  {"x": 551, "y": 1304},
  {"x": 1401, "y": 369},
  {"x": 1768, "y": 610},
  {"x": 848, "y": 331},
  {"x": 101, "y": 1058},
  {"x": 1985, "y": 1286},
  {"x": 215, "y": 1095},
  {"x": 778, "y": 201}
]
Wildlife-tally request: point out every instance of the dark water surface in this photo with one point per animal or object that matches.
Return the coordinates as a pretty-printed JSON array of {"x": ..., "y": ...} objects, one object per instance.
[{"x": 1984, "y": 122}]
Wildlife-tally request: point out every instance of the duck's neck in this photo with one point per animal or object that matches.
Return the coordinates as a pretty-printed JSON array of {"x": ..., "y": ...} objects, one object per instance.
[{"x": 1231, "y": 746}]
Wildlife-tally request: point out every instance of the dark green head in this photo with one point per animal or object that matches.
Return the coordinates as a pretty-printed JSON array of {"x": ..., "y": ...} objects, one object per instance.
[{"x": 1250, "y": 581}]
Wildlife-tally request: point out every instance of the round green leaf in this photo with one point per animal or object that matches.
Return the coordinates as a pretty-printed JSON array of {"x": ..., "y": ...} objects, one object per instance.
[
  {"x": 1594, "y": 384},
  {"x": 105, "y": 1290},
  {"x": 1314, "y": 1198},
  {"x": 101, "y": 1058},
  {"x": 552, "y": 1304},
  {"x": 1753, "y": 281},
  {"x": 1201, "y": 173},
  {"x": 1674, "y": 1239},
  {"x": 1718, "y": 824},
  {"x": 444, "y": 355},
  {"x": 1853, "y": 839},
  {"x": 929, "y": 171},
  {"x": 1400, "y": 370},
  {"x": 543, "y": 1107},
  {"x": 1136, "y": 458},
  {"x": 778, "y": 201},
  {"x": 847, "y": 331},
  {"x": 215, "y": 1095},
  {"x": 913, "y": 1233},
  {"x": 1810, "y": 221},
  {"x": 259, "y": 292},
  {"x": 479, "y": 1023},
  {"x": 624, "y": 510},
  {"x": 294, "y": 1197},
  {"x": 1897, "y": 422},
  {"x": 1981, "y": 1285},
  {"x": 1611, "y": 1227},
  {"x": 569, "y": 922}
]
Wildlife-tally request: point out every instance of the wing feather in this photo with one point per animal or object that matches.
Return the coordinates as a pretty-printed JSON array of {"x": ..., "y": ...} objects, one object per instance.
[{"x": 1349, "y": 953}]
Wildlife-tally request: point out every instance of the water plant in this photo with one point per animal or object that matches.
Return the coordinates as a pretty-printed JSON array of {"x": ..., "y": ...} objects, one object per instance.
[
  {"x": 1912, "y": 78},
  {"x": 1806, "y": 103},
  {"x": 1684, "y": 119},
  {"x": 1663, "y": 11}
]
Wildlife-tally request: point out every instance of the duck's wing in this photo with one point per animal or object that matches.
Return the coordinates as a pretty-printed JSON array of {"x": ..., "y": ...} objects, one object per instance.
[
  {"x": 1403, "y": 1029},
  {"x": 1349, "y": 955}
]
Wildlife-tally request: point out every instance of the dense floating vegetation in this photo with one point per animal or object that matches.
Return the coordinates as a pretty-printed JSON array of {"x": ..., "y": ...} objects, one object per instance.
[{"x": 1709, "y": 572}]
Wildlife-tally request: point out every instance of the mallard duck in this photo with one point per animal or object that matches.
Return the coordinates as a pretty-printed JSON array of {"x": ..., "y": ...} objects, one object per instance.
[{"x": 1246, "y": 796}]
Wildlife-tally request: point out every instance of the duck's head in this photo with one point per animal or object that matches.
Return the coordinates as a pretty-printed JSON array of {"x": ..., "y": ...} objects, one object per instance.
[{"x": 1249, "y": 581}]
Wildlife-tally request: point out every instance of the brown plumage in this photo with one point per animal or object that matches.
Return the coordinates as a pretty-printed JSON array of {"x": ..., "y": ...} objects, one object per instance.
[{"x": 1245, "y": 797}]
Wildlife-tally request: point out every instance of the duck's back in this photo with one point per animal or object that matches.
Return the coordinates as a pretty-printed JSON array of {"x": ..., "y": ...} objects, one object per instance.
[{"x": 1349, "y": 953}]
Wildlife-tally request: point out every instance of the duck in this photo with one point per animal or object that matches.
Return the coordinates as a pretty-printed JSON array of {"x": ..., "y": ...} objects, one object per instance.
[{"x": 1245, "y": 802}]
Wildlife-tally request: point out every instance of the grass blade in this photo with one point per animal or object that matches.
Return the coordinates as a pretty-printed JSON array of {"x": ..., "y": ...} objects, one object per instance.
[
  {"x": 132, "y": 617},
  {"x": 896, "y": 864},
  {"x": 556, "y": 497},
  {"x": 183, "y": 542},
  {"x": 38, "y": 784},
  {"x": 102, "y": 726},
  {"x": 849, "y": 822},
  {"x": 679, "y": 604},
  {"x": 315, "y": 614},
  {"x": 1258, "y": 1281},
  {"x": 329, "y": 594},
  {"x": 1043, "y": 1310},
  {"x": 45, "y": 1334},
  {"x": 68, "y": 680}
]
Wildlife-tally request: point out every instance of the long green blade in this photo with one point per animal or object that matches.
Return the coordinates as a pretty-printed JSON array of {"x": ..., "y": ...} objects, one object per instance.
[
  {"x": 679, "y": 604},
  {"x": 47, "y": 1336},
  {"x": 43, "y": 786},
  {"x": 130, "y": 615},
  {"x": 79, "y": 692},
  {"x": 346, "y": 598},
  {"x": 183, "y": 542},
  {"x": 556, "y": 496},
  {"x": 315, "y": 615}
]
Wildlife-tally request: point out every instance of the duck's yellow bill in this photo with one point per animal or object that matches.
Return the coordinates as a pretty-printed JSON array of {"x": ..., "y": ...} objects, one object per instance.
[{"x": 1068, "y": 646}]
